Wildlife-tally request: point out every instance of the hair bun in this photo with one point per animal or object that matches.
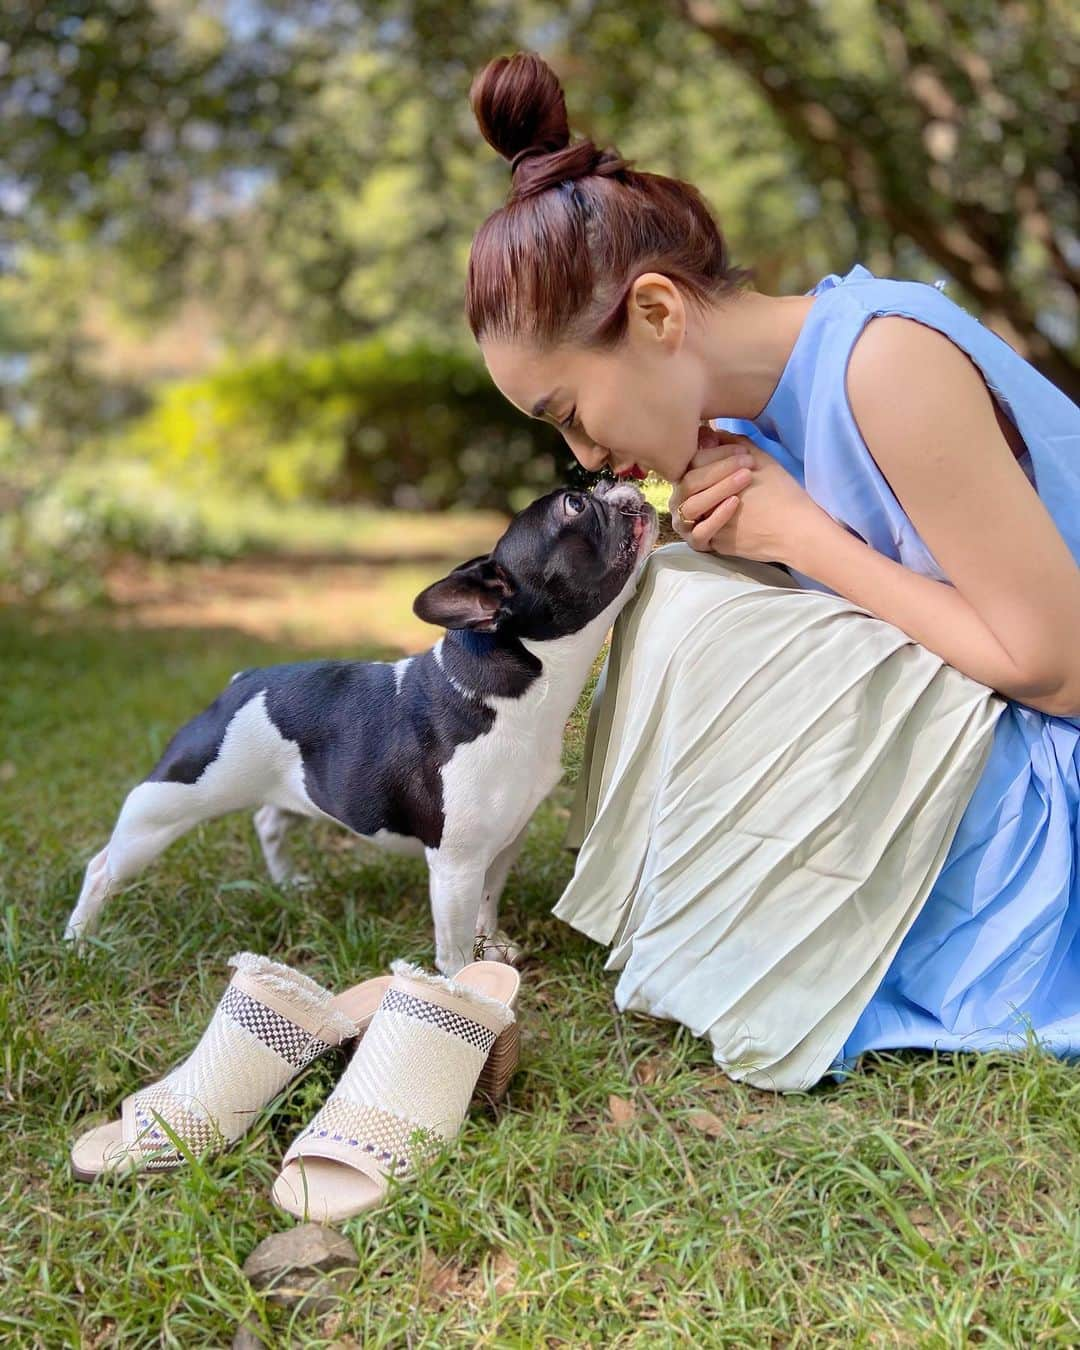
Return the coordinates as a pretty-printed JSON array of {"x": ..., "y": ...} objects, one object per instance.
[
  {"x": 520, "y": 109},
  {"x": 519, "y": 106}
]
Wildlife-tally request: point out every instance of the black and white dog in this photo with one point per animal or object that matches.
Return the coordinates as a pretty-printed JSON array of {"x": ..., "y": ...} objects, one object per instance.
[{"x": 447, "y": 753}]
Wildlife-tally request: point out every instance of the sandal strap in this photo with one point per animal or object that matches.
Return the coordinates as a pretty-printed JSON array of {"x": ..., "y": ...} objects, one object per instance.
[
  {"x": 301, "y": 1000},
  {"x": 365, "y": 1137},
  {"x": 269, "y": 1025},
  {"x": 141, "y": 1115},
  {"x": 445, "y": 1019},
  {"x": 294, "y": 1043}
]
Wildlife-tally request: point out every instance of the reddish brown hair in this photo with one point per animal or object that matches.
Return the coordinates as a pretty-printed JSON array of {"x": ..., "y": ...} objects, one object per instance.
[{"x": 556, "y": 263}]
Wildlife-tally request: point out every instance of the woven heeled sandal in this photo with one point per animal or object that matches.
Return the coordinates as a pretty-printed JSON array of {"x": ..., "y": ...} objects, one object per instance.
[
  {"x": 432, "y": 1045},
  {"x": 270, "y": 1024}
]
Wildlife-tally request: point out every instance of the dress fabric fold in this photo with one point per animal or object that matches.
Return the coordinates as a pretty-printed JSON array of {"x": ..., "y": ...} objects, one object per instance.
[{"x": 772, "y": 782}]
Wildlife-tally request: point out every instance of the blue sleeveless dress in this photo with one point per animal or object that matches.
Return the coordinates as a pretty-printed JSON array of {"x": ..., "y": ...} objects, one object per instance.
[{"x": 995, "y": 953}]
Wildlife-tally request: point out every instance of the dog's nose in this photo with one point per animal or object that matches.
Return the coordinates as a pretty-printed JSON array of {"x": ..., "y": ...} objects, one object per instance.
[{"x": 618, "y": 494}]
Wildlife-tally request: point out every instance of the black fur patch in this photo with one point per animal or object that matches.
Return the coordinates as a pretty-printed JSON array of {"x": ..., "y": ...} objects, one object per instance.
[{"x": 372, "y": 755}]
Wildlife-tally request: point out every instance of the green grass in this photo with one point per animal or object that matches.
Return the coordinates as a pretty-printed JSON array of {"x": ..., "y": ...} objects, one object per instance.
[{"x": 924, "y": 1202}]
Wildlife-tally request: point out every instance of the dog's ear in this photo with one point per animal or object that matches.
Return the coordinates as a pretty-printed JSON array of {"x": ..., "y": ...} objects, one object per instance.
[{"x": 472, "y": 596}]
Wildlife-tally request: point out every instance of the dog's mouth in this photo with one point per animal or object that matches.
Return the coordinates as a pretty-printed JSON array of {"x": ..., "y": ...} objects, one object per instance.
[
  {"x": 644, "y": 529},
  {"x": 643, "y": 522},
  {"x": 631, "y": 519}
]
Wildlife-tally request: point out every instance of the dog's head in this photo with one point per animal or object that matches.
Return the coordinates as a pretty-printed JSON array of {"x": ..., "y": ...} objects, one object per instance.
[{"x": 562, "y": 562}]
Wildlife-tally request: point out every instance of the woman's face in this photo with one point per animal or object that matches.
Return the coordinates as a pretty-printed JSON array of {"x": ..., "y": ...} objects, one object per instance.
[{"x": 638, "y": 404}]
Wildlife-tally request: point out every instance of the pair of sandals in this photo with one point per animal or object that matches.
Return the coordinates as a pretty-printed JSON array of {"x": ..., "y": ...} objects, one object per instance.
[{"x": 427, "y": 1046}]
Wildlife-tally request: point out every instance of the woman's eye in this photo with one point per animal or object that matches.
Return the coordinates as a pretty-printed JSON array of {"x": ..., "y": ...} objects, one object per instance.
[{"x": 574, "y": 503}]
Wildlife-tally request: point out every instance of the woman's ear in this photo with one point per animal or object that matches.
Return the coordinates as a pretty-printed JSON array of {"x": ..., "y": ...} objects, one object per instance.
[
  {"x": 472, "y": 596},
  {"x": 655, "y": 311}
]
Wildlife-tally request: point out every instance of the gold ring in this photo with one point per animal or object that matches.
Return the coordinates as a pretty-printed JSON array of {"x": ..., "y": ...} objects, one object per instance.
[{"x": 687, "y": 523}]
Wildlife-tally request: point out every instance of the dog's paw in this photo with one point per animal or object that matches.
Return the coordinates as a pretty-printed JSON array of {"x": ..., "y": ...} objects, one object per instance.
[
  {"x": 298, "y": 881},
  {"x": 75, "y": 935},
  {"x": 497, "y": 946}
]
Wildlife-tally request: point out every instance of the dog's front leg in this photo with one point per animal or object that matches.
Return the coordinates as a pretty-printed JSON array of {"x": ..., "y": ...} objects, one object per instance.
[
  {"x": 496, "y": 945},
  {"x": 456, "y": 887}
]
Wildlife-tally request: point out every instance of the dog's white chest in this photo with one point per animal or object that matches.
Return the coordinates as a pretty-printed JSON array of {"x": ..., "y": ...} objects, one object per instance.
[{"x": 492, "y": 785}]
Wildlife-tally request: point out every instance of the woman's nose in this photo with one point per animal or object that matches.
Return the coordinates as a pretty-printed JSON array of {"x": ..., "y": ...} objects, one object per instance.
[{"x": 589, "y": 456}]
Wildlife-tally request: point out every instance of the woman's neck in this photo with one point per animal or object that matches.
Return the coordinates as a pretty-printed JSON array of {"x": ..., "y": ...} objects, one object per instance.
[{"x": 745, "y": 345}]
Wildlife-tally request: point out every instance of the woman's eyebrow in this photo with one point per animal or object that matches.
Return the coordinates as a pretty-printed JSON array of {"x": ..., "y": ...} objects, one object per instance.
[{"x": 540, "y": 406}]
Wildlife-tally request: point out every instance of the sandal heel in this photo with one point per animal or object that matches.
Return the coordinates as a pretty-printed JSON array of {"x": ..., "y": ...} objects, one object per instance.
[{"x": 500, "y": 1065}]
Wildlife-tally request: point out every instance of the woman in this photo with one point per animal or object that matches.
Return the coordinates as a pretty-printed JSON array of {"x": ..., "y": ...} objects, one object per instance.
[{"x": 807, "y": 833}]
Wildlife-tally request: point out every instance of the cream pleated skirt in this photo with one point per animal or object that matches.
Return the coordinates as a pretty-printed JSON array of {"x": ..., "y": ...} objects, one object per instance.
[{"x": 772, "y": 781}]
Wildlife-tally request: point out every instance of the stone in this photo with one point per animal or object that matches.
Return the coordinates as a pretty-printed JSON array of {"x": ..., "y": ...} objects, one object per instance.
[
  {"x": 308, "y": 1267},
  {"x": 247, "y": 1338}
]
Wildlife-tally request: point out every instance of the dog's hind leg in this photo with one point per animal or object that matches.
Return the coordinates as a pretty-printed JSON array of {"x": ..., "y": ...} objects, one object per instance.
[
  {"x": 272, "y": 824},
  {"x": 228, "y": 758},
  {"x": 152, "y": 817},
  {"x": 95, "y": 891}
]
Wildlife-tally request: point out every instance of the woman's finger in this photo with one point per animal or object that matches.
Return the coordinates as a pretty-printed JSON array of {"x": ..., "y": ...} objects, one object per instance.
[
  {"x": 710, "y": 454},
  {"x": 710, "y": 439},
  {"x": 702, "y": 534},
  {"x": 696, "y": 480},
  {"x": 674, "y": 502},
  {"x": 718, "y": 440},
  {"x": 699, "y": 504}
]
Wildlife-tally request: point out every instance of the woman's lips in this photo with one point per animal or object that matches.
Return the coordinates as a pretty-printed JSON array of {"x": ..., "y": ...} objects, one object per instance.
[{"x": 634, "y": 471}]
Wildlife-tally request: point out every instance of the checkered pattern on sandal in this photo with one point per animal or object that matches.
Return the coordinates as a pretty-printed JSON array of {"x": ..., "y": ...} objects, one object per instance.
[{"x": 270, "y": 1024}]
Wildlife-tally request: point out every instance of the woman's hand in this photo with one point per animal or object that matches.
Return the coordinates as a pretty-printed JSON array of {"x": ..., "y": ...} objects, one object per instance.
[{"x": 736, "y": 500}]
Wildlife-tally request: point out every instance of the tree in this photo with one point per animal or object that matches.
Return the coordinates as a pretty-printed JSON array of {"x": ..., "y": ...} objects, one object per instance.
[
  {"x": 950, "y": 123},
  {"x": 314, "y": 173}
]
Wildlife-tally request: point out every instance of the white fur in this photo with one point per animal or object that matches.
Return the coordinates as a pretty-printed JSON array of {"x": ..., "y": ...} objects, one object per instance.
[
  {"x": 256, "y": 766},
  {"x": 400, "y": 667}
]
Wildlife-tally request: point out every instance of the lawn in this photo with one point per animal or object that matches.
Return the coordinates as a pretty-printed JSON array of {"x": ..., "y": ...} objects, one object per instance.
[{"x": 625, "y": 1194}]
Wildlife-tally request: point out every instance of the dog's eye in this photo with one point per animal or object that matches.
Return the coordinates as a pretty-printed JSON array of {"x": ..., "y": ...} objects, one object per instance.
[{"x": 575, "y": 503}]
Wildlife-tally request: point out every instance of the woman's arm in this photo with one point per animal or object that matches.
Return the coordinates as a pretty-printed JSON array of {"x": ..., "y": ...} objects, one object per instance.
[{"x": 1013, "y": 620}]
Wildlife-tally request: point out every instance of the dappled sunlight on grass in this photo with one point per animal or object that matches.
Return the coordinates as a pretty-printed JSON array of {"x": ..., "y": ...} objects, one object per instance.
[{"x": 319, "y": 606}]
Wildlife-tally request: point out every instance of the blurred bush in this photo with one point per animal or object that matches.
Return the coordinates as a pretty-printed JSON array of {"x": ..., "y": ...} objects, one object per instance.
[
  {"x": 418, "y": 428},
  {"x": 57, "y": 537},
  {"x": 60, "y": 531}
]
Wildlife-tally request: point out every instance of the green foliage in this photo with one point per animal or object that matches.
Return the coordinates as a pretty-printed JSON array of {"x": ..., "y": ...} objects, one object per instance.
[
  {"x": 126, "y": 118},
  {"x": 943, "y": 129},
  {"x": 59, "y": 533},
  {"x": 418, "y": 427},
  {"x": 55, "y": 398},
  {"x": 58, "y": 536}
]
